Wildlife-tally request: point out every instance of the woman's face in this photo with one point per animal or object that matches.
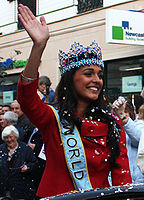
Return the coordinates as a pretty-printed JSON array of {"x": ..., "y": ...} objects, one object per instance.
[
  {"x": 88, "y": 82},
  {"x": 42, "y": 88},
  {"x": 11, "y": 140}
]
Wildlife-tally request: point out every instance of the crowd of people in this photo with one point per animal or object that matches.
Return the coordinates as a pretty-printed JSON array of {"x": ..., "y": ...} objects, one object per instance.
[
  {"x": 23, "y": 163},
  {"x": 57, "y": 142}
]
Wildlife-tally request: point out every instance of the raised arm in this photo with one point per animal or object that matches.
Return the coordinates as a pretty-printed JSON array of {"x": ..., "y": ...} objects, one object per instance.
[
  {"x": 39, "y": 33},
  {"x": 132, "y": 129}
]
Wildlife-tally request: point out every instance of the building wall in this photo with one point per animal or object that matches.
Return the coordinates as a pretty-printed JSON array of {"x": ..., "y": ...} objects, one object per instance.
[
  {"x": 83, "y": 28},
  {"x": 8, "y": 16},
  {"x": 52, "y": 10}
]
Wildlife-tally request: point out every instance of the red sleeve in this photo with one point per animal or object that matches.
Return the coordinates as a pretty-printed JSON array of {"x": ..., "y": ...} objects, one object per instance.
[
  {"x": 121, "y": 175},
  {"x": 40, "y": 114}
]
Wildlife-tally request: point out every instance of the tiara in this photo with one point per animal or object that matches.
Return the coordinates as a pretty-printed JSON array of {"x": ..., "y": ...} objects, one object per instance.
[{"x": 79, "y": 55}]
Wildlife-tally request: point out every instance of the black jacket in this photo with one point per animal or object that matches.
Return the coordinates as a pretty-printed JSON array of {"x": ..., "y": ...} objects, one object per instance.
[
  {"x": 26, "y": 127},
  {"x": 20, "y": 184},
  {"x": 37, "y": 140}
]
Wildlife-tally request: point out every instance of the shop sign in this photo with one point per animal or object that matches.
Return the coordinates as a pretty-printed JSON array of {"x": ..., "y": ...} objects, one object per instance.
[
  {"x": 7, "y": 97},
  {"x": 131, "y": 84},
  {"x": 113, "y": 2},
  {"x": 124, "y": 27}
]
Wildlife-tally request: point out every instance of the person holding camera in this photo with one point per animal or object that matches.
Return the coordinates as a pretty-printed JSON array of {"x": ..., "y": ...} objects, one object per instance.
[{"x": 44, "y": 91}]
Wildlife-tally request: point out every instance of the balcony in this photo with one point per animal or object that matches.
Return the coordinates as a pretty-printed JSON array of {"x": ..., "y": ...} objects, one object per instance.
[{"x": 86, "y": 5}]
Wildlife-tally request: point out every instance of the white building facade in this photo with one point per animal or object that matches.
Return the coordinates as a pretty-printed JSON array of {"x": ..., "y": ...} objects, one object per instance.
[{"x": 52, "y": 10}]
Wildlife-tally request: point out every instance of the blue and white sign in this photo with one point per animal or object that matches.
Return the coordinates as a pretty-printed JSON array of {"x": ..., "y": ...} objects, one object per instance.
[
  {"x": 131, "y": 84},
  {"x": 124, "y": 27},
  {"x": 7, "y": 97}
]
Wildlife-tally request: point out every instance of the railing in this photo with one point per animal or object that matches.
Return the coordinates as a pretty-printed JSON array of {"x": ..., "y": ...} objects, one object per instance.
[{"x": 86, "y": 5}]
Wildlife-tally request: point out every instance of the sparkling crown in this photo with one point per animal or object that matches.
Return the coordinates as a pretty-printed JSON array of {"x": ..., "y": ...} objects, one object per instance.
[{"x": 79, "y": 55}]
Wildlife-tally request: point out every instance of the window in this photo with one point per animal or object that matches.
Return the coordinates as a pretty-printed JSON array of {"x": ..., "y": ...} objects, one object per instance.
[
  {"x": 10, "y": 0},
  {"x": 86, "y": 5},
  {"x": 31, "y": 4},
  {"x": 8, "y": 88},
  {"x": 117, "y": 71}
]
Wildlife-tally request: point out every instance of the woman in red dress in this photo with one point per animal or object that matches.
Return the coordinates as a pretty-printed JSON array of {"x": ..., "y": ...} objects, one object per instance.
[{"x": 83, "y": 143}]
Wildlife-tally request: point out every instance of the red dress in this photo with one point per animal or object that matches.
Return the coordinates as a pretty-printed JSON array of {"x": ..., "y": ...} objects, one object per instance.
[{"x": 56, "y": 178}]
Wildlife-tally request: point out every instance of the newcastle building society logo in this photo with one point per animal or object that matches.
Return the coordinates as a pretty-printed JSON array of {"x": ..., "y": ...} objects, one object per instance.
[
  {"x": 125, "y": 32},
  {"x": 118, "y": 31}
]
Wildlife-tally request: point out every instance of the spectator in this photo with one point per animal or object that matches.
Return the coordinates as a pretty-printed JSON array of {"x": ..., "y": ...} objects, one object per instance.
[
  {"x": 141, "y": 113},
  {"x": 1, "y": 126},
  {"x": 23, "y": 122},
  {"x": 138, "y": 101},
  {"x": 142, "y": 92},
  {"x": 1, "y": 108},
  {"x": 82, "y": 141},
  {"x": 44, "y": 90},
  {"x": 6, "y": 108},
  {"x": 11, "y": 118},
  {"x": 133, "y": 129},
  {"x": 1, "y": 121},
  {"x": 15, "y": 107},
  {"x": 17, "y": 163},
  {"x": 26, "y": 130},
  {"x": 36, "y": 143},
  {"x": 46, "y": 94},
  {"x": 140, "y": 156}
]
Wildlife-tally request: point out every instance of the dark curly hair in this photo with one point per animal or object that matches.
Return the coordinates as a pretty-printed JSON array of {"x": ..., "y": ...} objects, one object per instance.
[{"x": 66, "y": 103}]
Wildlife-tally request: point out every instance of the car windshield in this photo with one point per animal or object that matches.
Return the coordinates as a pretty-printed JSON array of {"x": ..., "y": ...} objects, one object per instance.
[{"x": 125, "y": 192}]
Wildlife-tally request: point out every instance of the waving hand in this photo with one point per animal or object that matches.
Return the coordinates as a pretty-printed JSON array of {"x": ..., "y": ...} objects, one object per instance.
[{"x": 38, "y": 31}]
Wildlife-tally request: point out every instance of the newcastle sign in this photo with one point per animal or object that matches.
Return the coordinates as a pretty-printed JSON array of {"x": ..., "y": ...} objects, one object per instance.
[{"x": 124, "y": 27}]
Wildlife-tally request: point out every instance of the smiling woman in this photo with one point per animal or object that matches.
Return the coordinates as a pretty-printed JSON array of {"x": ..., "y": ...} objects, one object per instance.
[
  {"x": 88, "y": 82},
  {"x": 83, "y": 142},
  {"x": 10, "y": 136}
]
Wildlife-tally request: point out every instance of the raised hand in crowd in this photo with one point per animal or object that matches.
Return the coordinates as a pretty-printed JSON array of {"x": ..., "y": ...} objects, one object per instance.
[{"x": 118, "y": 108}]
